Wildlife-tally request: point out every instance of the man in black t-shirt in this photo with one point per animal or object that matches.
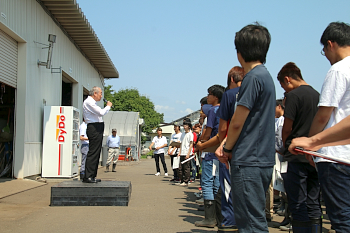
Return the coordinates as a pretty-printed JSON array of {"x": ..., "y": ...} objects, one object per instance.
[{"x": 301, "y": 182}]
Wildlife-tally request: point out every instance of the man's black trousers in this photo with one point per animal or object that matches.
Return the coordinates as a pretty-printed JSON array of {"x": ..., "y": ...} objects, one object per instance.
[{"x": 94, "y": 132}]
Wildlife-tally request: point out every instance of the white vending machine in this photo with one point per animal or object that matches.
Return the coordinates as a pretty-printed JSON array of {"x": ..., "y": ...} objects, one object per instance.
[{"x": 60, "y": 141}]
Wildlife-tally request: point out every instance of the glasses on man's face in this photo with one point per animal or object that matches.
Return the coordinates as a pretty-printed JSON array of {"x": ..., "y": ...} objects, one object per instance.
[{"x": 322, "y": 52}]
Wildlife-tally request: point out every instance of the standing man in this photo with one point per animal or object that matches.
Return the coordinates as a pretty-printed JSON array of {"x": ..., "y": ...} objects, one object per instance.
[
  {"x": 95, "y": 126},
  {"x": 301, "y": 182},
  {"x": 84, "y": 147},
  {"x": 113, "y": 142},
  {"x": 174, "y": 151},
  {"x": 159, "y": 142},
  {"x": 333, "y": 108},
  {"x": 251, "y": 133}
]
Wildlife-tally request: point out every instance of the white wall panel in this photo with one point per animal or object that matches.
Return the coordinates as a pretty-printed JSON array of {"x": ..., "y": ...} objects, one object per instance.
[{"x": 27, "y": 19}]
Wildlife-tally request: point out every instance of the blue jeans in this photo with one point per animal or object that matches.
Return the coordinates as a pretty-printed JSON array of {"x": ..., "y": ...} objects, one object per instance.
[
  {"x": 335, "y": 185},
  {"x": 84, "y": 151},
  {"x": 226, "y": 202},
  {"x": 303, "y": 191},
  {"x": 210, "y": 183},
  {"x": 193, "y": 169},
  {"x": 249, "y": 186}
]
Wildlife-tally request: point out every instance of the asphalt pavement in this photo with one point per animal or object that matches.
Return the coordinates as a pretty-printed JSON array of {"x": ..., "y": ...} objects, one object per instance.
[{"x": 156, "y": 205}]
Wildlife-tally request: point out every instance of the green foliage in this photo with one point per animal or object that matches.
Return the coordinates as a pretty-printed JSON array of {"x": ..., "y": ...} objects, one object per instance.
[{"x": 130, "y": 100}]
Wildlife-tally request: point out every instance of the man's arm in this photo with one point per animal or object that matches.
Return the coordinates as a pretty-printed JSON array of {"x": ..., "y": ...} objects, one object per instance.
[
  {"x": 98, "y": 110},
  {"x": 287, "y": 129},
  {"x": 150, "y": 146},
  {"x": 189, "y": 150},
  {"x": 162, "y": 146},
  {"x": 207, "y": 134},
  {"x": 222, "y": 129},
  {"x": 320, "y": 120},
  {"x": 338, "y": 134},
  {"x": 211, "y": 142},
  {"x": 234, "y": 130},
  {"x": 83, "y": 138}
]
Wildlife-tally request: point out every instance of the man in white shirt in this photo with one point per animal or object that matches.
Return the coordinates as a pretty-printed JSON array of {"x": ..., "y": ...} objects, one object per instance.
[
  {"x": 173, "y": 151},
  {"x": 159, "y": 143},
  {"x": 95, "y": 126},
  {"x": 113, "y": 142},
  {"x": 185, "y": 152},
  {"x": 84, "y": 148},
  {"x": 334, "y": 107}
]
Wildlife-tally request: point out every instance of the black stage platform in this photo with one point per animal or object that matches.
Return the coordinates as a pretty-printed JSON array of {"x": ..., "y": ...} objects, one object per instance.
[{"x": 77, "y": 193}]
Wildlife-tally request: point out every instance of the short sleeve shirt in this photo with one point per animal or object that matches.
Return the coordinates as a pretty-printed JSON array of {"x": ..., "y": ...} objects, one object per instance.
[
  {"x": 159, "y": 142},
  {"x": 186, "y": 139},
  {"x": 213, "y": 123},
  {"x": 255, "y": 144},
  {"x": 227, "y": 104},
  {"x": 301, "y": 108},
  {"x": 82, "y": 132},
  {"x": 336, "y": 93}
]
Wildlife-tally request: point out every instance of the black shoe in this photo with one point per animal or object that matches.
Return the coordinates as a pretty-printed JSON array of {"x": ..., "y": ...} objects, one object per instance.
[
  {"x": 89, "y": 180},
  {"x": 285, "y": 222},
  {"x": 172, "y": 180},
  {"x": 97, "y": 180}
]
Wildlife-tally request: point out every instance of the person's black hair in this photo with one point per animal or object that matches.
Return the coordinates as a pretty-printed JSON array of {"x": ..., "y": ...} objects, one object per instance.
[
  {"x": 290, "y": 70},
  {"x": 279, "y": 102},
  {"x": 187, "y": 121},
  {"x": 336, "y": 32},
  {"x": 253, "y": 42},
  {"x": 217, "y": 91},
  {"x": 204, "y": 100}
]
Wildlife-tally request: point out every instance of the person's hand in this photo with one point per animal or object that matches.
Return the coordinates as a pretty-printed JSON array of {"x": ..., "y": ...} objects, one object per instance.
[
  {"x": 199, "y": 145},
  {"x": 150, "y": 148},
  {"x": 109, "y": 103},
  {"x": 219, "y": 153},
  {"x": 303, "y": 142},
  {"x": 187, "y": 156},
  {"x": 157, "y": 148}
]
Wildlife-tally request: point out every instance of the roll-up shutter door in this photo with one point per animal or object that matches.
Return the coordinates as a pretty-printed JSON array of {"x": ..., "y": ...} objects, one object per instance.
[{"x": 8, "y": 60}]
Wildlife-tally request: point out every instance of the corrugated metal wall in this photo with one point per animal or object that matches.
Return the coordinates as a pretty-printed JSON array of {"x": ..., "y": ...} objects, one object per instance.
[
  {"x": 8, "y": 60},
  {"x": 28, "y": 20}
]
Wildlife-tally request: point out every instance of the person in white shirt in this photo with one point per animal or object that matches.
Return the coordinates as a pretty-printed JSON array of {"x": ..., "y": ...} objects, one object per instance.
[
  {"x": 84, "y": 148},
  {"x": 173, "y": 151},
  {"x": 93, "y": 117},
  {"x": 185, "y": 153},
  {"x": 113, "y": 142},
  {"x": 159, "y": 143},
  {"x": 333, "y": 108}
]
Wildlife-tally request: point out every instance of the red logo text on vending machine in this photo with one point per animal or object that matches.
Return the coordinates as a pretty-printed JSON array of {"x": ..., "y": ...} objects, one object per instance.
[{"x": 60, "y": 128}]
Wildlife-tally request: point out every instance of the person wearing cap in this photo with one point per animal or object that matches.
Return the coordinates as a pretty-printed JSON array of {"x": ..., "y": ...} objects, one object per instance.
[
  {"x": 159, "y": 142},
  {"x": 173, "y": 151},
  {"x": 113, "y": 142}
]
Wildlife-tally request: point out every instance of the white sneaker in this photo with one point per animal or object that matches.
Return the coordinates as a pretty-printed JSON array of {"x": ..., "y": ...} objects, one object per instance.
[
  {"x": 166, "y": 174},
  {"x": 157, "y": 174},
  {"x": 183, "y": 184}
]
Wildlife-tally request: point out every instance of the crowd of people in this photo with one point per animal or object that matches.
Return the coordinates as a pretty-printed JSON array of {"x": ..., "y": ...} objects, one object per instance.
[{"x": 245, "y": 141}]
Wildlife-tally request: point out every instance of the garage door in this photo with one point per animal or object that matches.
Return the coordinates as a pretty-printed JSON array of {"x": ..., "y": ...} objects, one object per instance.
[{"x": 8, "y": 60}]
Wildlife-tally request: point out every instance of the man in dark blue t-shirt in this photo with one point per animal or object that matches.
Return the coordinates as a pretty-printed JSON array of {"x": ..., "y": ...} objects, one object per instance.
[
  {"x": 250, "y": 138},
  {"x": 210, "y": 183}
]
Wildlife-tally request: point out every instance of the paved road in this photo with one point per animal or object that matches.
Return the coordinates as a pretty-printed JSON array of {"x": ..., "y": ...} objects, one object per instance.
[{"x": 156, "y": 205}]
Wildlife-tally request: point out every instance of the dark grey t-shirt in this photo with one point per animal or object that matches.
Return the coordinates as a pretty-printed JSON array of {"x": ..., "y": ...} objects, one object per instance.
[{"x": 256, "y": 143}]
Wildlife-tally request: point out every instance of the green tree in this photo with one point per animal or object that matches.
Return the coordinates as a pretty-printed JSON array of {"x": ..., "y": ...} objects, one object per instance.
[{"x": 130, "y": 100}]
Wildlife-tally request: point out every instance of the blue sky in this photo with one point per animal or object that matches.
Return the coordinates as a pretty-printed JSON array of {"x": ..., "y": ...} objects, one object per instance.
[{"x": 172, "y": 51}]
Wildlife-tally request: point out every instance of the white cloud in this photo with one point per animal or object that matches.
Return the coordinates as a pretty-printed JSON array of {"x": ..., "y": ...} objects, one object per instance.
[
  {"x": 160, "y": 108},
  {"x": 188, "y": 110},
  {"x": 180, "y": 102}
]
